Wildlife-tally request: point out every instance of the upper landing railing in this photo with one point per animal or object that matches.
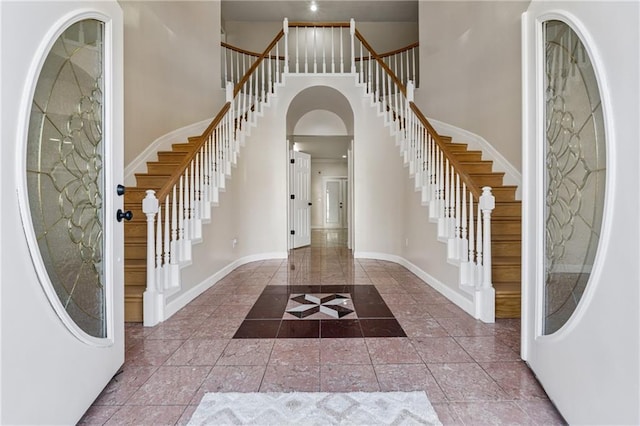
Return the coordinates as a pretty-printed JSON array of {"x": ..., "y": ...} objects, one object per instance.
[
  {"x": 176, "y": 211},
  {"x": 319, "y": 48}
]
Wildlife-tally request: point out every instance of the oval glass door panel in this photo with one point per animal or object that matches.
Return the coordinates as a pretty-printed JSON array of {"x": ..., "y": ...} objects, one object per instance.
[
  {"x": 65, "y": 176},
  {"x": 575, "y": 172}
]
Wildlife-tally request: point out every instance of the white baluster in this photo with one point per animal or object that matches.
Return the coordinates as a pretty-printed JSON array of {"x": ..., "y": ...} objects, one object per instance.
[
  {"x": 286, "y": 45},
  {"x": 269, "y": 75},
  {"x": 315, "y": 51},
  {"x": 341, "y": 53},
  {"x": 369, "y": 69},
  {"x": 174, "y": 228},
  {"x": 324, "y": 48},
  {"x": 333, "y": 59},
  {"x": 167, "y": 241},
  {"x": 464, "y": 243},
  {"x": 352, "y": 31},
  {"x": 181, "y": 220},
  {"x": 472, "y": 245},
  {"x": 278, "y": 77},
  {"x": 306, "y": 50},
  {"x": 152, "y": 300},
  {"x": 479, "y": 248},
  {"x": 360, "y": 73},
  {"x": 187, "y": 208},
  {"x": 415, "y": 76}
]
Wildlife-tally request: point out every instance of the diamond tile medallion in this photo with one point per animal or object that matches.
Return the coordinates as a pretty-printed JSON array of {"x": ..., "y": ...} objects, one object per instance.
[{"x": 312, "y": 311}]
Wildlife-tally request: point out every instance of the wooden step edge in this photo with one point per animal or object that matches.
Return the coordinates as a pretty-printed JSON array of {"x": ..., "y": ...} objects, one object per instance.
[
  {"x": 487, "y": 174},
  {"x": 508, "y": 287},
  {"x": 506, "y": 260}
]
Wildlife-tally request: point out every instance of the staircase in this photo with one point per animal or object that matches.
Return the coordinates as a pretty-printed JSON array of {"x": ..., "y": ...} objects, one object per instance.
[
  {"x": 135, "y": 230},
  {"x": 506, "y": 221},
  {"x": 457, "y": 185}
]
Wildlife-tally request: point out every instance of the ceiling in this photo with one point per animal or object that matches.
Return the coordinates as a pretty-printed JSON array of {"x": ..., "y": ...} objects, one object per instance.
[{"x": 328, "y": 10}]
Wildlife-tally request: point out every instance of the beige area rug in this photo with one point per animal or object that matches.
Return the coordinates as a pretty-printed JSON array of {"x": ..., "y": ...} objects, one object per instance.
[{"x": 315, "y": 408}]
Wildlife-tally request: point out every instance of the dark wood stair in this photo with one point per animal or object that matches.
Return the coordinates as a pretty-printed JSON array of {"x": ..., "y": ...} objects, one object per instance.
[
  {"x": 506, "y": 229},
  {"x": 135, "y": 231}
]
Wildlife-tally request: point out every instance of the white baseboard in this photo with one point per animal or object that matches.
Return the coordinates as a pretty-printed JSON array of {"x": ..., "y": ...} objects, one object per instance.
[
  {"x": 185, "y": 298},
  {"x": 512, "y": 175},
  {"x": 458, "y": 298},
  {"x": 163, "y": 143}
]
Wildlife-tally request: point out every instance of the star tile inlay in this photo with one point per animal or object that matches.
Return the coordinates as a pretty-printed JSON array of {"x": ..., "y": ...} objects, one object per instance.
[{"x": 334, "y": 305}]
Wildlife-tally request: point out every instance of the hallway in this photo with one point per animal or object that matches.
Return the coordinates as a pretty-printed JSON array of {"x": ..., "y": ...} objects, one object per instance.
[{"x": 323, "y": 321}]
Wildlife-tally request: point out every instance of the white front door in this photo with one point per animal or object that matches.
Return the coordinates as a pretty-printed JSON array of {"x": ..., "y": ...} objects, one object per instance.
[
  {"x": 580, "y": 275},
  {"x": 63, "y": 322},
  {"x": 301, "y": 199}
]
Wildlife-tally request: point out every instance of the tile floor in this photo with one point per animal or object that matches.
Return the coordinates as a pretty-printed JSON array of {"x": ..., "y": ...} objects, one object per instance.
[{"x": 401, "y": 335}]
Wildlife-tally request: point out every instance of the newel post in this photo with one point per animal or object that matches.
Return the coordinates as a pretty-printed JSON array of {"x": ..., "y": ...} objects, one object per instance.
[
  {"x": 486, "y": 295},
  {"x": 286, "y": 45},
  {"x": 151, "y": 299},
  {"x": 352, "y": 30}
]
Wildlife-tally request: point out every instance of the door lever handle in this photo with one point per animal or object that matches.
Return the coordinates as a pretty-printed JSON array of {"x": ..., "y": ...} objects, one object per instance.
[{"x": 124, "y": 215}]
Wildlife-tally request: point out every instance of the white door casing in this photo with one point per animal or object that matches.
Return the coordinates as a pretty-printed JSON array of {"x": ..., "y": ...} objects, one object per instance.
[
  {"x": 335, "y": 210},
  {"x": 47, "y": 358},
  {"x": 301, "y": 199}
]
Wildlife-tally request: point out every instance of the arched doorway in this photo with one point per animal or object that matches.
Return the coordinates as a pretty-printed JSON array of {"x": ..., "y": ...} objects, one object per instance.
[{"x": 320, "y": 141}]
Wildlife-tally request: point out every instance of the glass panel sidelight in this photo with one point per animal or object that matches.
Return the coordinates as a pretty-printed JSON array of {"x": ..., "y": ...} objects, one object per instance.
[
  {"x": 575, "y": 172},
  {"x": 65, "y": 176}
]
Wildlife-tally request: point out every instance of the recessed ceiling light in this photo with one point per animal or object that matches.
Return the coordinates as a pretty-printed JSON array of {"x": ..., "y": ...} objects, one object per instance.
[
  {"x": 313, "y": 7},
  {"x": 344, "y": 156}
]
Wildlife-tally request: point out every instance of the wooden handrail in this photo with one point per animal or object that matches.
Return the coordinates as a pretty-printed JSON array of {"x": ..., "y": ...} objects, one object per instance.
[
  {"x": 179, "y": 171},
  {"x": 244, "y": 52},
  {"x": 464, "y": 176},
  {"x": 384, "y": 66},
  {"x": 257, "y": 62},
  {"x": 319, "y": 24},
  {"x": 400, "y": 50}
]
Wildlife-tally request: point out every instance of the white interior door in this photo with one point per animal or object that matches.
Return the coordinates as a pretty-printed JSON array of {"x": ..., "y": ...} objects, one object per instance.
[
  {"x": 335, "y": 202},
  {"x": 66, "y": 339},
  {"x": 301, "y": 199}
]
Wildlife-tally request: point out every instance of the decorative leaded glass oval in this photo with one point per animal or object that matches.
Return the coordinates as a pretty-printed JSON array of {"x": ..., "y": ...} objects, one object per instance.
[
  {"x": 575, "y": 172},
  {"x": 65, "y": 175}
]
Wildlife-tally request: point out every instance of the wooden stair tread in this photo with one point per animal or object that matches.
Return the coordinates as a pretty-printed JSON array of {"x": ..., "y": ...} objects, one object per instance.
[
  {"x": 506, "y": 237},
  {"x": 506, "y": 260},
  {"x": 508, "y": 287}
]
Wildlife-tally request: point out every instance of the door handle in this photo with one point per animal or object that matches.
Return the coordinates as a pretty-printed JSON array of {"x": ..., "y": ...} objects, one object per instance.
[
  {"x": 120, "y": 189},
  {"x": 310, "y": 204},
  {"x": 124, "y": 215}
]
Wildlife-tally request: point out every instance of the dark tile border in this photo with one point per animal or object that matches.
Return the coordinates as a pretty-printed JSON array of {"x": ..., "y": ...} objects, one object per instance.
[{"x": 264, "y": 320}]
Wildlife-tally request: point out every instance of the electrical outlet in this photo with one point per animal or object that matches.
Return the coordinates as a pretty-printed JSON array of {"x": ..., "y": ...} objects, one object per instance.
[
  {"x": 234, "y": 243},
  {"x": 406, "y": 242}
]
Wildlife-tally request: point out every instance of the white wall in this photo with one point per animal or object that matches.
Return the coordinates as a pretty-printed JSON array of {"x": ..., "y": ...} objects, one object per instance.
[
  {"x": 319, "y": 170},
  {"x": 470, "y": 69},
  {"x": 172, "y": 68},
  {"x": 47, "y": 375},
  {"x": 254, "y": 208},
  {"x": 591, "y": 367}
]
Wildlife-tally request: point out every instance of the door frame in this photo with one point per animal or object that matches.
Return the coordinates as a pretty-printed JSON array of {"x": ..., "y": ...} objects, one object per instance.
[{"x": 344, "y": 216}]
